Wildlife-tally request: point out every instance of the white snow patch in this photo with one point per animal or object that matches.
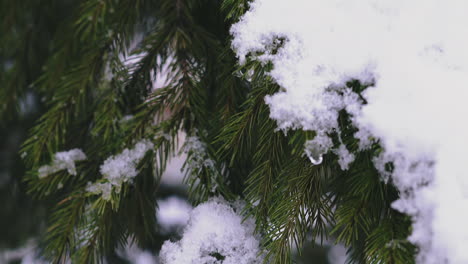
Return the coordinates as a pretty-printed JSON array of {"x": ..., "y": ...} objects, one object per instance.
[
  {"x": 119, "y": 169},
  {"x": 61, "y": 161},
  {"x": 344, "y": 157},
  {"x": 414, "y": 54},
  {"x": 122, "y": 167},
  {"x": 215, "y": 231},
  {"x": 103, "y": 188}
]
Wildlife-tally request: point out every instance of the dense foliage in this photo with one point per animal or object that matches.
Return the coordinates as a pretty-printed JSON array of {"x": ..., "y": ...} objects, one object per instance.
[{"x": 88, "y": 65}]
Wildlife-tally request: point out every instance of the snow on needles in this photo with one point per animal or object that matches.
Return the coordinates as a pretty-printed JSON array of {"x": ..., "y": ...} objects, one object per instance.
[
  {"x": 414, "y": 56},
  {"x": 122, "y": 167},
  {"x": 197, "y": 157},
  {"x": 215, "y": 234},
  {"x": 119, "y": 169},
  {"x": 61, "y": 161}
]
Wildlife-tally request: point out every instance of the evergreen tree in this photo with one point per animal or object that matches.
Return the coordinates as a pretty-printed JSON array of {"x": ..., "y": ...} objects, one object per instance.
[{"x": 89, "y": 68}]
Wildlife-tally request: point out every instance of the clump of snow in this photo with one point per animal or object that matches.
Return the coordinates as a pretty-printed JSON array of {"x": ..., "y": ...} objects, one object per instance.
[
  {"x": 365, "y": 138},
  {"x": 173, "y": 213},
  {"x": 420, "y": 194},
  {"x": 119, "y": 169},
  {"x": 122, "y": 167},
  {"x": 61, "y": 161},
  {"x": 215, "y": 234},
  {"x": 344, "y": 157},
  {"x": 413, "y": 55},
  {"x": 102, "y": 188}
]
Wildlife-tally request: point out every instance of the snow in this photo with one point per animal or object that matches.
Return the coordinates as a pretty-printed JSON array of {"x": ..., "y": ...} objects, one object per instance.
[
  {"x": 215, "y": 231},
  {"x": 413, "y": 56},
  {"x": 173, "y": 213},
  {"x": 119, "y": 169},
  {"x": 197, "y": 156},
  {"x": 122, "y": 167},
  {"x": 344, "y": 157},
  {"x": 103, "y": 188},
  {"x": 61, "y": 161}
]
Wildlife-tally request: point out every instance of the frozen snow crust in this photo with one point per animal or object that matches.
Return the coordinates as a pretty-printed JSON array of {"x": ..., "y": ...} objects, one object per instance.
[{"x": 414, "y": 55}]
